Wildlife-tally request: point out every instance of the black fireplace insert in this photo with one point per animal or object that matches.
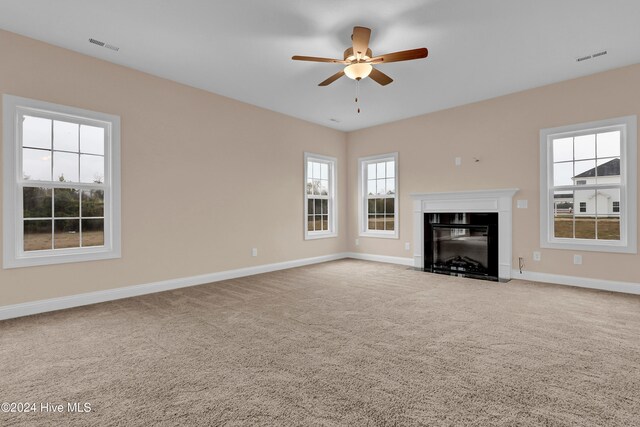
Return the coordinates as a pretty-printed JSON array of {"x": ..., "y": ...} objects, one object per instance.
[{"x": 462, "y": 244}]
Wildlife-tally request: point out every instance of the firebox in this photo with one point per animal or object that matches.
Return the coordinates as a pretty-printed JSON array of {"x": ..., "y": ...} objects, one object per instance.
[{"x": 462, "y": 244}]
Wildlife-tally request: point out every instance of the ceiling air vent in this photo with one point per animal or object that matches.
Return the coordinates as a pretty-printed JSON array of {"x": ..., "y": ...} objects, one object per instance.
[
  {"x": 105, "y": 45},
  {"x": 593, "y": 55},
  {"x": 94, "y": 41}
]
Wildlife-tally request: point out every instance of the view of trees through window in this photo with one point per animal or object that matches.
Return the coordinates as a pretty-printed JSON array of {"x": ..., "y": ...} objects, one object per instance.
[
  {"x": 56, "y": 218},
  {"x": 381, "y": 192},
  {"x": 318, "y": 188},
  {"x": 587, "y": 186},
  {"x": 62, "y": 188}
]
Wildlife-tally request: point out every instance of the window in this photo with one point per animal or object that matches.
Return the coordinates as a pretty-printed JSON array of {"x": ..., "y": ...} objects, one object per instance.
[
  {"x": 591, "y": 166},
  {"x": 319, "y": 196},
  {"x": 378, "y": 183},
  {"x": 616, "y": 207},
  {"x": 61, "y": 184}
]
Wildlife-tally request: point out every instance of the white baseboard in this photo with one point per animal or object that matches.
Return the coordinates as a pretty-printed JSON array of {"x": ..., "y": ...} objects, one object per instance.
[
  {"x": 381, "y": 258},
  {"x": 42, "y": 306},
  {"x": 582, "y": 282}
]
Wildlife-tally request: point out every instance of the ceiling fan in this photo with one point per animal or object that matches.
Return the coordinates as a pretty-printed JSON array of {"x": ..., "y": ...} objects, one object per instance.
[{"x": 359, "y": 59}]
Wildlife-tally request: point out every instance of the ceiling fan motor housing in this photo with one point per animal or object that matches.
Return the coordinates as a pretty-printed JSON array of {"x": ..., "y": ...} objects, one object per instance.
[{"x": 349, "y": 56}]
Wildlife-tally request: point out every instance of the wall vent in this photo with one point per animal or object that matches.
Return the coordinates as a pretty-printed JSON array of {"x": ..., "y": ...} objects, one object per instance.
[
  {"x": 94, "y": 41},
  {"x": 593, "y": 55},
  {"x": 105, "y": 45}
]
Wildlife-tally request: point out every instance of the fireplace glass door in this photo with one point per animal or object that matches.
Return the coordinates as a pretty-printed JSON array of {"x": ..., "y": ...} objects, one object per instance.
[{"x": 461, "y": 248}]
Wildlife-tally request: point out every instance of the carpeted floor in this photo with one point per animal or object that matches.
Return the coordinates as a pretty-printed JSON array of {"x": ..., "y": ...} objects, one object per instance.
[{"x": 341, "y": 343}]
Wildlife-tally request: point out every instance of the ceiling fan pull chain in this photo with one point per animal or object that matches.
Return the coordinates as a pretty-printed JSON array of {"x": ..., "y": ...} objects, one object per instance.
[{"x": 357, "y": 90}]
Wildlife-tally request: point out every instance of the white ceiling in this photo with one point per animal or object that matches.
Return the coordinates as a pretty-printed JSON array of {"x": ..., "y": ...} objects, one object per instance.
[{"x": 241, "y": 49}]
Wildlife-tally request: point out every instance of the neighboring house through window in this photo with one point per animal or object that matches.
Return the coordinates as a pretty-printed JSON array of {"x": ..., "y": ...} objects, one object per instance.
[
  {"x": 591, "y": 166},
  {"x": 61, "y": 184},
  {"x": 320, "y": 196},
  {"x": 378, "y": 183}
]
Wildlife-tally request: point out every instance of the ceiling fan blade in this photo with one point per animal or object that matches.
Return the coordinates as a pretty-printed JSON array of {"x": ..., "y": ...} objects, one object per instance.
[
  {"x": 360, "y": 39},
  {"x": 316, "y": 59},
  {"x": 332, "y": 79},
  {"x": 404, "y": 55},
  {"x": 380, "y": 77}
]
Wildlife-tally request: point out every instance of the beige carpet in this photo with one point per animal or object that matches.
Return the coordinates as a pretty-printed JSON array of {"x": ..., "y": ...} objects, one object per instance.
[{"x": 342, "y": 343}]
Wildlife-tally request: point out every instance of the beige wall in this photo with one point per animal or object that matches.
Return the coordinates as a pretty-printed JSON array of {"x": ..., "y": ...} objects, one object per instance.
[
  {"x": 204, "y": 178},
  {"x": 503, "y": 133}
]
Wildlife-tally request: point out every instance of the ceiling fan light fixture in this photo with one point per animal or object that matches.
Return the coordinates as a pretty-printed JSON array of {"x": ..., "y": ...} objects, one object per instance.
[{"x": 358, "y": 70}]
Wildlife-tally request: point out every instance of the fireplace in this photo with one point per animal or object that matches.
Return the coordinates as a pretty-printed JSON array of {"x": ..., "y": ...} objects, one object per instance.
[
  {"x": 498, "y": 201},
  {"x": 462, "y": 244}
]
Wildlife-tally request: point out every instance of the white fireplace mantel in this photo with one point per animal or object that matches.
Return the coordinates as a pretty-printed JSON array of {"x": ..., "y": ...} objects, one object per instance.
[{"x": 500, "y": 201}]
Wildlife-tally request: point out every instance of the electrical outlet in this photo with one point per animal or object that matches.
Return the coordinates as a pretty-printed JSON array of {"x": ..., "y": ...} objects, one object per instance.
[
  {"x": 254, "y": 252},
  {"x": 357, "y": 242},
  {"x": 407, "y": 246},
  {"x": 577, "y": 259},
  {"x": 536, "y": 256},
  {"x": 522, "y": 204}
]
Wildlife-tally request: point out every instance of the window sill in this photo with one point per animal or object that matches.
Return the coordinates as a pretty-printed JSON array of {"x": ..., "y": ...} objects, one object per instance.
[
  {"x": 320, "y": 236},
  {"x": 59, "y": 258},
  {"x": 590, "y": 246},
  {"x": 379, "y": 235}
]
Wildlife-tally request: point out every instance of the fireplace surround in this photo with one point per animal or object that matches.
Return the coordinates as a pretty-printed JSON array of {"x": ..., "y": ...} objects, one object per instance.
[{"x": 499, "y": 201}]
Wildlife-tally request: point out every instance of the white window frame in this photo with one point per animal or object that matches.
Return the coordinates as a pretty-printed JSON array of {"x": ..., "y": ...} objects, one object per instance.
[
  {"x": 13, "y": 254},
  {"x": 628, "y": 187},
  {"x": 363, "y": 225},
  {"x": 331, "y": 197}
]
